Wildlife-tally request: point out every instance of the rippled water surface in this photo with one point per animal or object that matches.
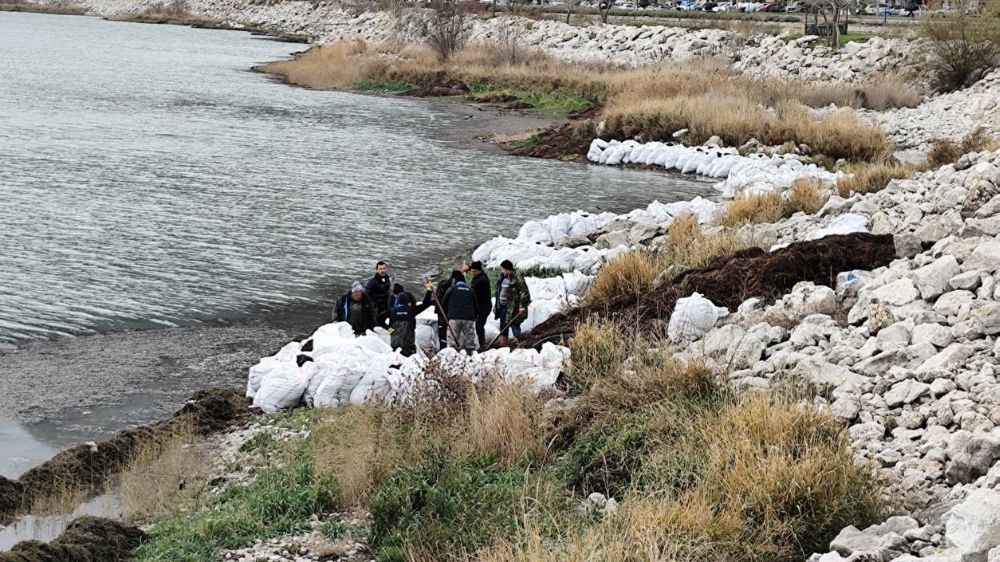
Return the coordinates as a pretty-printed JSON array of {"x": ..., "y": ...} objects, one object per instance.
[{"x": 148, "y": 178}]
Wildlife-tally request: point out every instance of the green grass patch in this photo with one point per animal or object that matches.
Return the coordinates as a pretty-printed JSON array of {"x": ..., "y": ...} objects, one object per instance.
[
  {"x": 527, "y": 144},
  {"x": 445, "y": 506},
  {"x": 334, "y": 529},
  {"x": 552, "y": 104},
  {"x": 388, "y": 86},
  {"x": 279, "y": 501}
]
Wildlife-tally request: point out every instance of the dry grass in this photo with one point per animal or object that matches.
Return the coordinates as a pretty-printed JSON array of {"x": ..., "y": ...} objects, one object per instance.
[
  {"x": 777, "y": 482},
  {"x": 503, "y": 421},
  {"x": 737, "y": 117},
  {"x": 753, "y": 209},
  {"x": 688, "y": 246},
  {"x": 165, "y": 474},
  {"x": 805, "y": 196},
  {"x": 869, "y": 178},
  {"x": 652, "y": 101},
  {"x": 631, "y": 273},
  {"x": 597, "y": 350},
  {"x": 361, "y": 445},
  {"x": 948, "y": 152}
]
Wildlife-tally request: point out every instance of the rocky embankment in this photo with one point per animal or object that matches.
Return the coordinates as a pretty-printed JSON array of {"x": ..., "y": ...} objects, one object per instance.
[
  {"x": 950, "y": 116},
  {"x": 905, "y": 354}
]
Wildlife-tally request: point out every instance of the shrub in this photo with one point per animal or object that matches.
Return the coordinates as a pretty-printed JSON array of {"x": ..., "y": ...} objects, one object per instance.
[
  {"x": 805, "y": 196},
  {"x": 870, "y": 178},
  {"x": 597, "y": 351},
  {"x": 630, "y": 274},
  {"x": 503, "y": 423},
  {"x": 788, "y": 471},
  {"x": 753, "y": 209},
  {"x": 947, "y": 152},
  {"x": 962, "y": 49},
  {"x": 447, "y": 29}
]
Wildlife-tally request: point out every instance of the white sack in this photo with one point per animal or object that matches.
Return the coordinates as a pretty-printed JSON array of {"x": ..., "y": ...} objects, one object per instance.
[{"x": 692, "y": 317}]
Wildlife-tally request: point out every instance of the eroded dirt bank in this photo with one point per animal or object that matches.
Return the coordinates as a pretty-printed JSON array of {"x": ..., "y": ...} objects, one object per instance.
[{"x": 88, "y": 467}]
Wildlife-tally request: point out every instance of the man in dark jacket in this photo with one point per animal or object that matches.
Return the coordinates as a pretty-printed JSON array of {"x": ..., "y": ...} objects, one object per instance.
[
  {"x": 356, "y": 308},
  {"x": 460, "y": 305},
  {"x": 512, "y": 301},
  {"x": 484, "y": 300},
  {"x": 403, "y": 318},
  {"x": 379, "y": 288},
  {"x": 442, "y": 314}
]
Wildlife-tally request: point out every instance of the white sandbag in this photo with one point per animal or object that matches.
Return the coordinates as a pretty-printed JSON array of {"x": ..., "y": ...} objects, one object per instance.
[
  {"x": 331, "y": 335},
  {"x": 374, "y": 343},
  {"x": 541, "y": 310},
  {"x": 289, "y": 352},
  {"x": 282, "y": 387},
  {"x": 844, "y": 224},
  {"x": 546, "y": 289},
  {"x": 426, "y": 338},
  {"x": 339, "y": 382},
  {"x": 692, "y": 317},
  {"x": 576, "y": 283},
  {"x": 258, "y": 372}
]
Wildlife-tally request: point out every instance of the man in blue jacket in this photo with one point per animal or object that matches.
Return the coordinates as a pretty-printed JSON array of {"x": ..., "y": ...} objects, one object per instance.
[{"x": 460, "y": 305}]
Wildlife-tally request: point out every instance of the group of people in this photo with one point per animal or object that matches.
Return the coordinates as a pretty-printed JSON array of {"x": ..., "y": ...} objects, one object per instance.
[{"x": 463, "y": 301}]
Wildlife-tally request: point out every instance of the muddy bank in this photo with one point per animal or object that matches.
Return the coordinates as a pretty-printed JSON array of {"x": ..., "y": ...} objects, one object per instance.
[
  {"x": 567, "y": 141},
  {"x": 88, "y": 467},
  {"x": 731, "y": 280},
  {"x": 87, "y": 539}
]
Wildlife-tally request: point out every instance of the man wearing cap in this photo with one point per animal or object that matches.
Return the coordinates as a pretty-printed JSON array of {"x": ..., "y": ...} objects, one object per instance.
[
  {"x": 484, "y": 299},
  {"x": 513, "y": 299},
  {"x": 356, "y": 308}
]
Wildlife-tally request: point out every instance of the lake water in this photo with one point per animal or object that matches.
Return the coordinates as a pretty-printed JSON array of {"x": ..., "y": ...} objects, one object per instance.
[{"x": 148, "y": 178}]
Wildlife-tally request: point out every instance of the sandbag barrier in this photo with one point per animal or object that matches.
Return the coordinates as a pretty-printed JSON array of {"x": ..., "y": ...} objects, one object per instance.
[{"x": 731, "y": 280}]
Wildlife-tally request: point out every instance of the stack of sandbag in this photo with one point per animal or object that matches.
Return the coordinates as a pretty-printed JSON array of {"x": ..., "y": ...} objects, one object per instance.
[{"x": 342, "y": 369}]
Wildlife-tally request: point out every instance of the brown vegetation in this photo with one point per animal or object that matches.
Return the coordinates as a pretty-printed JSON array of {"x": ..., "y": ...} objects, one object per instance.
[
  {"x": 730, "y": 281},
  {"x": 869, "y": 178},
  {"x": 652, "y": 101},
  {"x": 962, "y": 48},
  {"x": 948, "y": 152},
  {"x": 803, "y": 196},
  {"x": 86, "y": 469}
]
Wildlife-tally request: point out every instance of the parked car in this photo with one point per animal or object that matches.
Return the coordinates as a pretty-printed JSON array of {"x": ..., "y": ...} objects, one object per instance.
[
  {"x": 772, "y": 7},
  {"x": 796, "y": 6}
]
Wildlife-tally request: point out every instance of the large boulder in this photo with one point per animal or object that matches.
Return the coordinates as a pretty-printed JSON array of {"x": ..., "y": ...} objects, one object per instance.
[
  {"x": 974, "y": 525},
  {"x": 971, "y": 456}
]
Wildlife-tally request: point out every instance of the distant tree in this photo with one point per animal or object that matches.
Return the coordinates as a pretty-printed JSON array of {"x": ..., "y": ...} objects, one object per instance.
[
  {"x": 604, "y": 8},
  {"x": 833, "y": 12},
  {"x": 448, "y": 27}
]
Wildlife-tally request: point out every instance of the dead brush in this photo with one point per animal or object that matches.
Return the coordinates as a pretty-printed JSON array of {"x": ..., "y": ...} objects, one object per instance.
[
  {"x": 753, "y": 209},
  {"x": 688, "y": 246},
  {"x": 869, "y": 178},
  {"x": 164, "y": 473},
  {"x": 504, "y": 422},
  {"x": 597, "y": 351},
  {"x": 630, "y": 274},
  {"x": 944, "y": 152},
  {"x": 805, "y": 196}
]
